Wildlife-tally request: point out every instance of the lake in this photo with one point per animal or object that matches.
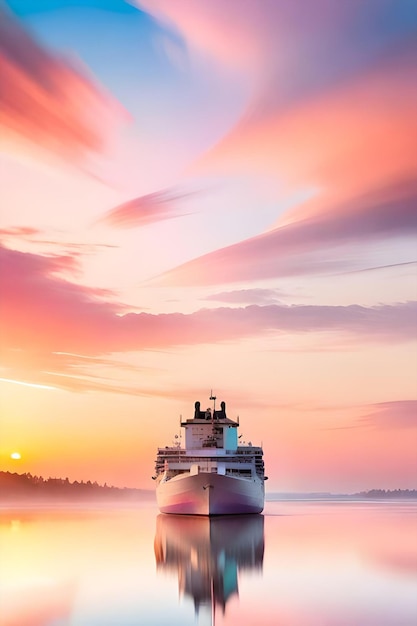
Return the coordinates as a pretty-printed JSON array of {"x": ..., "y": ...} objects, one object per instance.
[{"x": 298, "y": 564}]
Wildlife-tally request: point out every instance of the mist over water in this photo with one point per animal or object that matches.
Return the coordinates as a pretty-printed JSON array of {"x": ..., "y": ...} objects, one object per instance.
[{"x": 300, "y": 563}]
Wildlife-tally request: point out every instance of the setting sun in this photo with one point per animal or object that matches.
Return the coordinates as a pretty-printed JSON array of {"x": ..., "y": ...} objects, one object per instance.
[{"x": 15, "y": 455}]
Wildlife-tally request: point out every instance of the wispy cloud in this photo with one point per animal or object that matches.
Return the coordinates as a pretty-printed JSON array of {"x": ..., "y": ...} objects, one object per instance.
[
  {"x": 50, "y": 101},
  {"x": 147, "y": 209},
  {"x": 270, "y": 42},
  {"x": 407, "y": 265},
  {"x": 307, "y": 245},
  {"x": 312, "y": 121},
  {"x": 21, "y": 232},
  {"x": 303, "y": 65},
  {"x": 43, "y": 314},
  {"x": 247, "y": 296},
  {"x": 395, "y": 414}
]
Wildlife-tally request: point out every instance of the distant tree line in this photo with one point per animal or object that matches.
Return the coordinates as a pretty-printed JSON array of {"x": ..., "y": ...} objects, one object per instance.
[
  {"x": 388, "y": 493},
  {"x": 22, "y": 486}
]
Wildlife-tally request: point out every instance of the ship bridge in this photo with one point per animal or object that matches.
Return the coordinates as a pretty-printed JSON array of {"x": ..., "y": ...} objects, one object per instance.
[{"x": 210, "y": 430}]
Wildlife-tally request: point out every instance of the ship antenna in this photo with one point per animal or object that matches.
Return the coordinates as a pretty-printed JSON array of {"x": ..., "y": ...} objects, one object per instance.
[{"x": 214, "y": 405}]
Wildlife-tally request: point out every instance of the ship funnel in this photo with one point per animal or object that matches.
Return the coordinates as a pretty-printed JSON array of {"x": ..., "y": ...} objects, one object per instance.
[
  {"x": 223, "y": 408},
  {"x": 197, "y": 410}
]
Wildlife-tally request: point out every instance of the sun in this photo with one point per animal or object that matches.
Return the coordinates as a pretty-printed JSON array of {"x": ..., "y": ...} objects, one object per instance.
[{"x": 15, "y": 455}]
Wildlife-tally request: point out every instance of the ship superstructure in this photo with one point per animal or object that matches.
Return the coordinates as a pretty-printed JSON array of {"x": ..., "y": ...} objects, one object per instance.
[{"x": 212, "y": 474}]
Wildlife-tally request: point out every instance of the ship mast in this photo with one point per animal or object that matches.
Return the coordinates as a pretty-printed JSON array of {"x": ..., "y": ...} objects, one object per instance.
[
  {"x": 214, "y": 407},
  {"x": 214, "y": 398}
]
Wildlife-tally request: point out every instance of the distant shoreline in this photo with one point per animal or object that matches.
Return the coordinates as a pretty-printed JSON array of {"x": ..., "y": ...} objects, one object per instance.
[
  {"x": 372, "y": 494},
  {"x": 24, "y": 487},
  {"x": 396, "y": 495},
  {"x": 17, "y": 488}
]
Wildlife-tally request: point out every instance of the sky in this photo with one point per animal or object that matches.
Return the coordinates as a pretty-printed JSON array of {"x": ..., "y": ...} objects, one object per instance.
[{"x": 201, "y": 196}]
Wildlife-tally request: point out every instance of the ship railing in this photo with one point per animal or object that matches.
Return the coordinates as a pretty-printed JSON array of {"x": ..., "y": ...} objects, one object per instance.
[{"x": 199, "y": 459}]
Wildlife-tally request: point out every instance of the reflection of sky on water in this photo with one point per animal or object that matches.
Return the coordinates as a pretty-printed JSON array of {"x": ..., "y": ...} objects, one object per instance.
[{"x": 339, "y": 564}]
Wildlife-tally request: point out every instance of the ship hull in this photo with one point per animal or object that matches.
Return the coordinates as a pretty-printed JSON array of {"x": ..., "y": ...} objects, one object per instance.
[{"x": 210, "y": 494}]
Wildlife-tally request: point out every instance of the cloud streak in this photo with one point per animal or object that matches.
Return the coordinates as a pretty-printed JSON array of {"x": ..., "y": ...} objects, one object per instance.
[
  {"x": 306, "y": 245},
  {"x": 43, "y": 314},
  {"x": 270, "y": 42},
  {"x": 325, "y": 82},
  {"x": 392, "y": 415},
  {"x": 147, "y": 209},
  {"x": 330, "y": 107},
  {"x": 247, "y": 296},
  {"x": 50, "y": 101}
]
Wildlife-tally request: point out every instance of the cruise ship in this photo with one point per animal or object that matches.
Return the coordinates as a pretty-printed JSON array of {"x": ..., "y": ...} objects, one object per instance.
[{"x": 212, "y": 474}]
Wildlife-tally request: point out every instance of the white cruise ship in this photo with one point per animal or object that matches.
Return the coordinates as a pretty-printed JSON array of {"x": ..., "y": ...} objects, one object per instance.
[{"x": 212, "y": 474}]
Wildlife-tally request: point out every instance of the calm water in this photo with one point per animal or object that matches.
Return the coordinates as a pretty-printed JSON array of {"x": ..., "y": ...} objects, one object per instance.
[{"x": 300, "y": 563}]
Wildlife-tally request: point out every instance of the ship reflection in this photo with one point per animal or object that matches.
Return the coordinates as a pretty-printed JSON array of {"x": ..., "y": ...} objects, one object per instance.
[{"x": 207, "y": 554}]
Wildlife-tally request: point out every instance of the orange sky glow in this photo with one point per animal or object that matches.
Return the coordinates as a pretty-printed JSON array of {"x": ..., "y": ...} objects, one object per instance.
[{"x": 221, "y": 197}]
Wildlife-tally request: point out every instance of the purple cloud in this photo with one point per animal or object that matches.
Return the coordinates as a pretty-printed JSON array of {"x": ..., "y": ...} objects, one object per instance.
[
  {"x": 306, "y": 245},
  {"x": 247, "y": 296}
]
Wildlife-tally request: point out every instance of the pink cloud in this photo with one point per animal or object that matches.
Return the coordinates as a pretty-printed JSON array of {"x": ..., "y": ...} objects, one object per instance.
[
  {"x": 288, "y": 53},
  {"x": 251, "y": 37},
  {"x": 42, "y": 315},
  {"x": 347, "y": 138},
  {"x": 219, "y": 30},
  {"x": 247, "y": 296},
  {"x": 50, "y": 101},
  {"x": 350, "y": 134},
  {"x": 147, "y": 209},
  {"x": 395, "y": 414},
  {"x": 306, "y": 245},
  {"x": 26, "y": 232}
]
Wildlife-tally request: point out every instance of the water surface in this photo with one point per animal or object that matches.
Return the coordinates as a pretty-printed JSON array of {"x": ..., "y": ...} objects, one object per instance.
[{"x": 298, "y": 564}]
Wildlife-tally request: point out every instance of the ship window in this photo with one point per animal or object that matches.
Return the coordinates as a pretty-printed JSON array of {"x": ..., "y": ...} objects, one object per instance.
[{"x": 239, "y": 472}]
